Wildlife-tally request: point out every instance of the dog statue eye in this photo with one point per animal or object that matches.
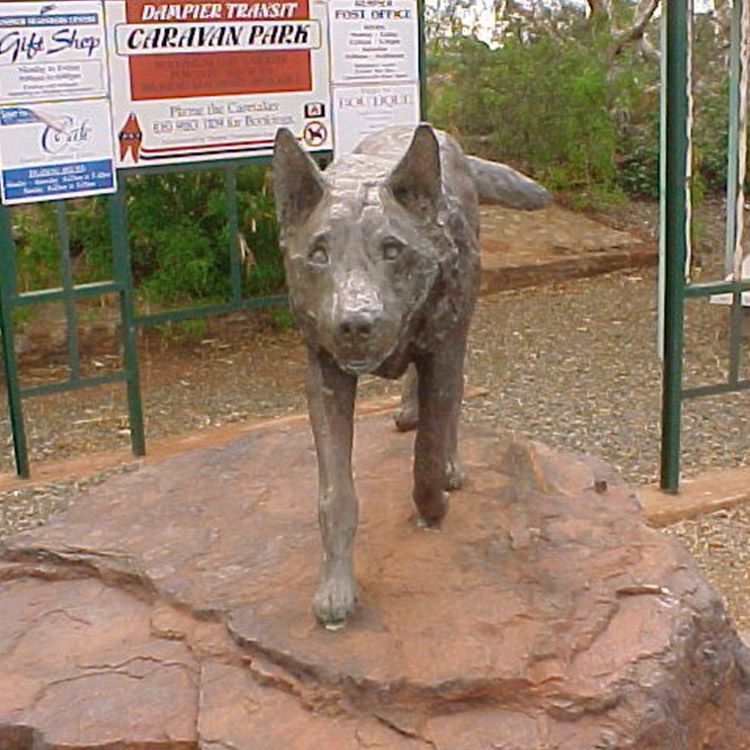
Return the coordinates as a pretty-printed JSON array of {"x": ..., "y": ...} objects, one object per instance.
[
  {"x": 391, "y": 249},
  {"x": 318, "y": 256}
]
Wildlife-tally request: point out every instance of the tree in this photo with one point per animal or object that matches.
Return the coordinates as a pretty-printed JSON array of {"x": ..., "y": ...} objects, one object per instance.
[{"x": 570, "y": 92}]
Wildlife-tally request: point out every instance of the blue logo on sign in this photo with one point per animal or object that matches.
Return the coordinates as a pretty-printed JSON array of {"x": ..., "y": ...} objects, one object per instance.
[{"x": 17, "y": 116}]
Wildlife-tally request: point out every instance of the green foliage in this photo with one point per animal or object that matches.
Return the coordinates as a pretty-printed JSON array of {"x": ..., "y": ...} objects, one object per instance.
[
  {"x": 710, "y": 135},
  {"x": 178, "y": 233},
  {"x": 22, "y": 315},
  {"x": 282, "y": 318},
  {"x": 192, "y": 329},
  {"x": 176, "y": 226},
  {"x": 180, "y": 240},
  {"x": 260, "y": 230},
  {"x": 553, "y": 100},
  {"x": 711, "y": 96},
  {"x": 37, "y": 257},
  {"x": 543, "y": 105},
  {"x": 90, "y": 243}
]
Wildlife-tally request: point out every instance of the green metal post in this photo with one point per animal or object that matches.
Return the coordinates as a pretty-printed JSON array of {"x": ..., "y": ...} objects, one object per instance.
[
  {"x": 233, "y": 228},
  {"x": 118, "y": 223},
  {"x": 66, "y": 275},
  {"x": 424, "y": 110},
  {"x": 662, "y": 188},
  {"x": 677, "y": 135},
  {"x": 735, "y": 173},
  {"x": 735, "y": 340},
  {"x": 7, "y": 291}
]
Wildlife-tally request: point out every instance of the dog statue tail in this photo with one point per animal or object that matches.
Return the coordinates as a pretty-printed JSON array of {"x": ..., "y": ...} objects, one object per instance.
[{"x": 499, "y": 184}]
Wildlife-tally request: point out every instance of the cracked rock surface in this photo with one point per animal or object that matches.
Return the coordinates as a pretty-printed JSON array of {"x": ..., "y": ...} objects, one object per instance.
[{"x": 170, "y": 608}]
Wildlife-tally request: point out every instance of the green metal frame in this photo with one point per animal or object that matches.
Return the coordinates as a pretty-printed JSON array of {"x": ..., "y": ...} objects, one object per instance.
[
  {"x": 424, "y": 109},
  {"x": 122, "y": 284},
  {"x": 677, "y": 288},
  {"x": 7, "y": 291}
]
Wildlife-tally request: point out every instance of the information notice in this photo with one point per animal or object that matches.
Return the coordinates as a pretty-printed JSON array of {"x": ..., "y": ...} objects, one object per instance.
[
  {"x": 215, "y": 80},
  {"x": 90, "y": 86},
  {"x": 55, "y": 121},
  {"x": 375, "y": 67}
]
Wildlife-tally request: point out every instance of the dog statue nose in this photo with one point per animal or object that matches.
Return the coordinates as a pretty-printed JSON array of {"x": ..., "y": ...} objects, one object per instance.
[{"x": 358, "y": 326}]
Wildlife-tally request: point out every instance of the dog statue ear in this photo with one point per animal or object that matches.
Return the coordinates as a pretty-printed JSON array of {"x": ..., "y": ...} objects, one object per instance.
[
  {"x": 416, "y": 182},
  {"x": 298, "y": 184}
]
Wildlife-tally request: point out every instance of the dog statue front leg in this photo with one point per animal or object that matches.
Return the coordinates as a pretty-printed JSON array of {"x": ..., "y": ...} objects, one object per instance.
[{"x": 330, "y": 396}]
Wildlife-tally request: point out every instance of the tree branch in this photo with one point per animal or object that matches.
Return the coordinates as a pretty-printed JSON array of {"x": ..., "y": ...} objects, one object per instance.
[
  {"x": 598, "y": 8},
  {"x": 643, "y": 15},
  {"x": 647, "y": 50}
]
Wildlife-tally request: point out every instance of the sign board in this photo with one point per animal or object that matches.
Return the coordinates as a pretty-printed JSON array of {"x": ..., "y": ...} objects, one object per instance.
[
  {"x": 55, "y": 121},
  {"x": 87, "y": 86},
  {"x": 51, "y": 51},
  {"x": 214, "y": 80},
  {"x": 374, "y": 68},
  {"x": 56, "y": 150}
]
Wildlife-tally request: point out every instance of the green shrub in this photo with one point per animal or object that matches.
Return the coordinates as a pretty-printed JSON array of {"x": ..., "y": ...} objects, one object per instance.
[
  {"x": 37, "y": 254},
  {"x": 638, "y": 157},
  {"x": 178, "y": 234},
  {"x": 180, "y": 240},
  {"x": 543, "y": 106},
  {"x": 558, "y": 106}
]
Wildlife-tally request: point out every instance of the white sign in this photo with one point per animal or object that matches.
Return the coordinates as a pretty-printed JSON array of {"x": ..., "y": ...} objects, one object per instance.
[
  {"x": 363, "y": 110},
  {"x": 51, "y": 51},
  {"x": 215, "y": 80},
  {"x": 375, "y": 67},
  {"x": 191, "y": 81},
  {"x": 55, "y": 150},
  {"x": 55, "y": 121},
  {"x": 152, "y": 39},
  {"x": 374, "y": 42}
]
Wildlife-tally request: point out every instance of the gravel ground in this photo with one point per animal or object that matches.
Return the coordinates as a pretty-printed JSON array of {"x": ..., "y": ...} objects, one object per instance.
[
  {"x": 720, "y": 542},
  {"x": 572, "y": 365}
]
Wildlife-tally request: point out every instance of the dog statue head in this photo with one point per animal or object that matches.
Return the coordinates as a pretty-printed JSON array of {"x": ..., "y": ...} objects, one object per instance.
[{"x": 360, "y": 245}]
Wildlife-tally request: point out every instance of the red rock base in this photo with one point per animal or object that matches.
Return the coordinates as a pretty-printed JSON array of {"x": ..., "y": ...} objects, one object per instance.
[{"x": 170, "y": 609}]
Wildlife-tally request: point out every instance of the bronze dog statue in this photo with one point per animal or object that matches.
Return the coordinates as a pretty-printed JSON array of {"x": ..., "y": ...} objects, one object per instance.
[{"x": 382, "y": 261}]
